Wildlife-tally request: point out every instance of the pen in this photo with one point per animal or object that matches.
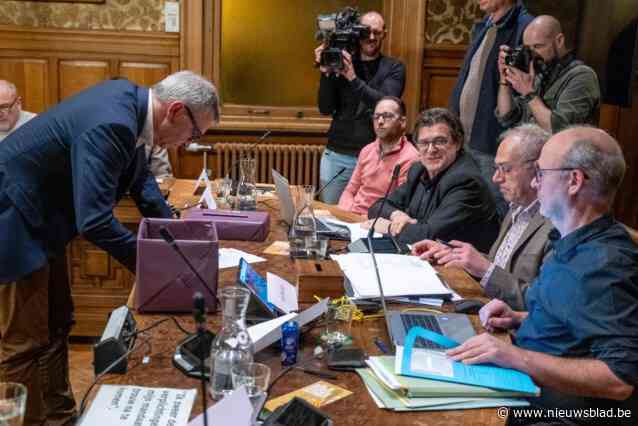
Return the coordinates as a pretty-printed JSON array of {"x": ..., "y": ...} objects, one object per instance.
[
  {"x": 382, "y": 347},
  {"x": 444, "y": 243}
]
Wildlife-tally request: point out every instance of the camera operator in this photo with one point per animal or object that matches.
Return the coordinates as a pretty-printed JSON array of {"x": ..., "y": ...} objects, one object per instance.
[
  {"x": 349, "y": 95},
  {"x": 556, "y": 91}
]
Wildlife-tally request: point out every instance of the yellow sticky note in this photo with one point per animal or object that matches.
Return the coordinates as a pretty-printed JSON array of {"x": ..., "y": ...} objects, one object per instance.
[{"x": 318, "y": 394}]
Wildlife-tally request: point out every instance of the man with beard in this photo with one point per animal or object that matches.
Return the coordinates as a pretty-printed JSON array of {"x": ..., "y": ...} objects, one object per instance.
[{"x": 566, "y": 92}]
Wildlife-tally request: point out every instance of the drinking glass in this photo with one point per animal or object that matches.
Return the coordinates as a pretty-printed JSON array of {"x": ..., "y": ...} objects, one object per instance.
[
  {"x": 255, "y": 377},
  {"x": 338, "y": 321},
  {"x": 13, "y": 398}
]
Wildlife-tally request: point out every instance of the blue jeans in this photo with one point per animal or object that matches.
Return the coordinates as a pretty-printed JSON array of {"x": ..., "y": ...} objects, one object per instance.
[
  {"x": 486, "y": 166},
  {"x": 331, "y": 163}
]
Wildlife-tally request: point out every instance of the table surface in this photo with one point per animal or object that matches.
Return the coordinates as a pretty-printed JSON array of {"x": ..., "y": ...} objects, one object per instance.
[{"x": 160, "y": 342}]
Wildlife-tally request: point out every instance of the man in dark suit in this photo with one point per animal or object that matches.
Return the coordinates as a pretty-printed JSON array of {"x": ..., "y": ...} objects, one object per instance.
[
  {"x": 523, "y": 243},
  {"x": 444, "y": 196},
  {"x": 61, "y": 175},
  {"x": 349, "y": 96}
]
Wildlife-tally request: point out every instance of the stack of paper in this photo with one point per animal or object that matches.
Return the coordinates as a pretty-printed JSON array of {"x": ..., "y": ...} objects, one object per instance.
[
  {"x": 401, "y": 275},
  {"x": 401, "y": 393}
]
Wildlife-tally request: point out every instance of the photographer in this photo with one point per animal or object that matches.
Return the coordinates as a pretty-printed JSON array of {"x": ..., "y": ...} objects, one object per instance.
[
  {"x": 555, "y": 91},
  {"x": 349, "y": 95}
]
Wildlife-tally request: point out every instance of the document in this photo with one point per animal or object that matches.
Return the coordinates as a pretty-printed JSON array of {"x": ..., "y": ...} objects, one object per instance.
[
  {"x": 234, "y": 409},
  {"x": 229, "y": 257},
  {"x": 356, "y": 231},
  {"x": 281, "y": 293},
  {"x": 436, "y": 365},
  {"x": 401, "y": 275},
  {"x": 139, "y": 406}
]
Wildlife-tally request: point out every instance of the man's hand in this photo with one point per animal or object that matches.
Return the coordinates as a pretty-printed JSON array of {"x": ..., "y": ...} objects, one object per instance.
[
  {"x": 498, "y": 315},
  {"x": 318, "y": 51},
  {"x": 428, "y": 250},
  {"x": 487, "y": 349},
  {"x": 382, "y": 226},
  {"x": 399, "y": 219},
  {"x": 348, "y": 68},
  {"x": 502, "y": 66},
  {"x": 464, "y": 255},
  {"x": 522, "y": 82}
]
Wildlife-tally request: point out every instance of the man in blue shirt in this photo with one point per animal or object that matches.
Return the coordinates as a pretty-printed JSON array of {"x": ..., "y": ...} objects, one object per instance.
[{"x": 579, "y": 339}]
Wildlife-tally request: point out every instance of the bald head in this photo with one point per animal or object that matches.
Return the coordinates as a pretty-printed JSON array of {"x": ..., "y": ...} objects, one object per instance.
[
  {"x": 372, "y": 16},
  {"x": 545, "y": 37},
  {"x": 8, "y": 88},
  {"x": 547, "y": 25},
  {"x": 597, "y": 154}
]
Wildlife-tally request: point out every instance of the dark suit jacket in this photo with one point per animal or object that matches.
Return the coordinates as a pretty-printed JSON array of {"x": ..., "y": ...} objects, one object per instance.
[
  {"x": 63, "y": 172},
  {"x": 510, "y": 283},
  {"x": 455, "y": 205}
]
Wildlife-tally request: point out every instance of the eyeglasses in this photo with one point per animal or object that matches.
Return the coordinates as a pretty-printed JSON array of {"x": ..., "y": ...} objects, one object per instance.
[
  {"x": 538, "y": 172},
  {"x": 387, "y": 116},
  {"x": 439, "y": 142},
  {"x": 7, "y": 107},
  {"x": 197, "y": 134},
  {"x": 506, "y": 168}
]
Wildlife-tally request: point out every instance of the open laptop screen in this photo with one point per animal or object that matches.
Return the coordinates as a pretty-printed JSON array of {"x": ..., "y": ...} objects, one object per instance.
[{"x": 256, "y": 284}]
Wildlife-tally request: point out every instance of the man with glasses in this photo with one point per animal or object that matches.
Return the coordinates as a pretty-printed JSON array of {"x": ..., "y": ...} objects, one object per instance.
[
  {"x": 578, "y": 338},
  {"x": 61, "y": 175},
  {"x": 349, "y": 96},
  {"x": 522, "y": 244},
  {"x": 377, "y": 160},
  {"x": 11, "y": 114},
  {"x": 444, "y": 196}
]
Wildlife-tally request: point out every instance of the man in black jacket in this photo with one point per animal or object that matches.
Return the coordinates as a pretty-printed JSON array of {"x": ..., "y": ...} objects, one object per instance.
[
  {"x": 349, "y": 96},
  {"x": 445, "y": 196}
]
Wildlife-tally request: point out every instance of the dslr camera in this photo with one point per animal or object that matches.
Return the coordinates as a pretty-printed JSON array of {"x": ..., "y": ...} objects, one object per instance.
[
  {"x": 521, "y": 57},
  {"x": 340, "y": 31}
]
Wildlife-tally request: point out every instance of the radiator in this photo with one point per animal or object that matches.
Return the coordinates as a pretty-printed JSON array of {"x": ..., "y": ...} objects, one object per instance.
[{"x": 298, "y": 163}]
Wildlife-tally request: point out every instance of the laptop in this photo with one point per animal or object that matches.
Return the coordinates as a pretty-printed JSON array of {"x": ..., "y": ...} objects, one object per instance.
[
  {"x": 454, "y": 326},
  {"x": 282, "y": 188}
]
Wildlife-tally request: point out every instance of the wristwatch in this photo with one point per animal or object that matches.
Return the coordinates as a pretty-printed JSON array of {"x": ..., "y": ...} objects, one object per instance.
[{"x": 527, "y": 98}]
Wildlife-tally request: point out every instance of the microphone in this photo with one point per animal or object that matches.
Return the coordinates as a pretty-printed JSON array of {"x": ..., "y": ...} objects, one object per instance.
[
  {"x": 199, "y": 314},
  {"x": 339, "y": 173},
  {"x": 195, "y": 147},
  {"x": 168, "y": 237},
  {"x": 395, "y": 176}
]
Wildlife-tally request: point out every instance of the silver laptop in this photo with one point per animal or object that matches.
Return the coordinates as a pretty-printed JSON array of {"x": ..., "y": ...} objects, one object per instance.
[
  {"x": 282, "y": 188},
  {"x": 454, "y": 326}
]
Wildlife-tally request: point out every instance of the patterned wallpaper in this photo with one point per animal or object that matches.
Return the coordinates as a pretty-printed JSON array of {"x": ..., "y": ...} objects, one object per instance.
[
  {"x": 450, "y": 21},
  {"x": 133, "y": 15}
]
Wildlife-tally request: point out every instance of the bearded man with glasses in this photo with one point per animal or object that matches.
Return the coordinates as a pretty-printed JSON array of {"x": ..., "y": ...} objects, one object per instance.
[
  {"x": 12, "y": 115},
  {"x": 444, "y": 195}
]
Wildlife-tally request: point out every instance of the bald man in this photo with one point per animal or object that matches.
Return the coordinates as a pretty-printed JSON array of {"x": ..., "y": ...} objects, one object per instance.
[
  {"x": 349, "y": 95},
  {"x": 579, "y": 338},
  {"x": 566, "y": 93},
  {"x": 11, "y": 114}
]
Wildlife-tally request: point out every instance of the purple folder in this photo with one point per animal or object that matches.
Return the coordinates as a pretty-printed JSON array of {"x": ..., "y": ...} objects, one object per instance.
[
  {"x": 235, "y": 224},
  {"x": 164, "y": 282}
]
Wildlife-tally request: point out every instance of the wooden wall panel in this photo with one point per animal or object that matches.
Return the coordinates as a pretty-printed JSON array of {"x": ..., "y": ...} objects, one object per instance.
[
  {"x": 76, "y": 76},
  {"x": 31, "y": 79},
  {"x": 144, "y": 74}
]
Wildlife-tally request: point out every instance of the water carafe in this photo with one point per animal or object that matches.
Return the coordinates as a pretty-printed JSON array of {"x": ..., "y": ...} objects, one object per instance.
[
  {"x": 304, "y": 227},
  {"x": 247, "y": 188},
  {"x": 232, "y": 345}
]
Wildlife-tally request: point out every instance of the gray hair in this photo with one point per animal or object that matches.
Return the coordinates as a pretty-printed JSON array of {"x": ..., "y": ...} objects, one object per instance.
[
  {"x": 604, "y": 168},
  {"x": 9, "y": 86},
  {"x": 194, "y": 90},
  {"x": 528, "y": 139}
]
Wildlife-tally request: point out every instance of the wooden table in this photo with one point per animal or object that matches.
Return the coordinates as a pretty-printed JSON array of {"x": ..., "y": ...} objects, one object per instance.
[{"x": 353, "y": 410}]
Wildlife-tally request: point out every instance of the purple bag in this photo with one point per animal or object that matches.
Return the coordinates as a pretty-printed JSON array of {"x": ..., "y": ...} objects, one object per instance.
[
  {"x": 235, "y": 224},
  {"x": 164, "y": 282}
]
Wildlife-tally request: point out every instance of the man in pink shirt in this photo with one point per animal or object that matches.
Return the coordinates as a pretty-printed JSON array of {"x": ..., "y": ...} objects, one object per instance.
[{"x": 376, "y": 161}]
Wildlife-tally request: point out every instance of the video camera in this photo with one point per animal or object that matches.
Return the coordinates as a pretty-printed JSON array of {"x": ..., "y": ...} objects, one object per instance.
[
  {"x": 521, "y": 57},
  {"x": 340, "y": 31}
]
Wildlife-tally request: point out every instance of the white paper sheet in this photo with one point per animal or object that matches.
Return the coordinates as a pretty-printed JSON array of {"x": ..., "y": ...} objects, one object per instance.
[
  {"x": 401, "y": 275},
  {"x": 140, "y": 406},
  {"x": 232, "y": 410},
  {"x": 229, "y": 257},
  {"x": 208, "y": 197},
  {"x": 203, "y": 177},
  {"x": 281, "y": 293}
]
